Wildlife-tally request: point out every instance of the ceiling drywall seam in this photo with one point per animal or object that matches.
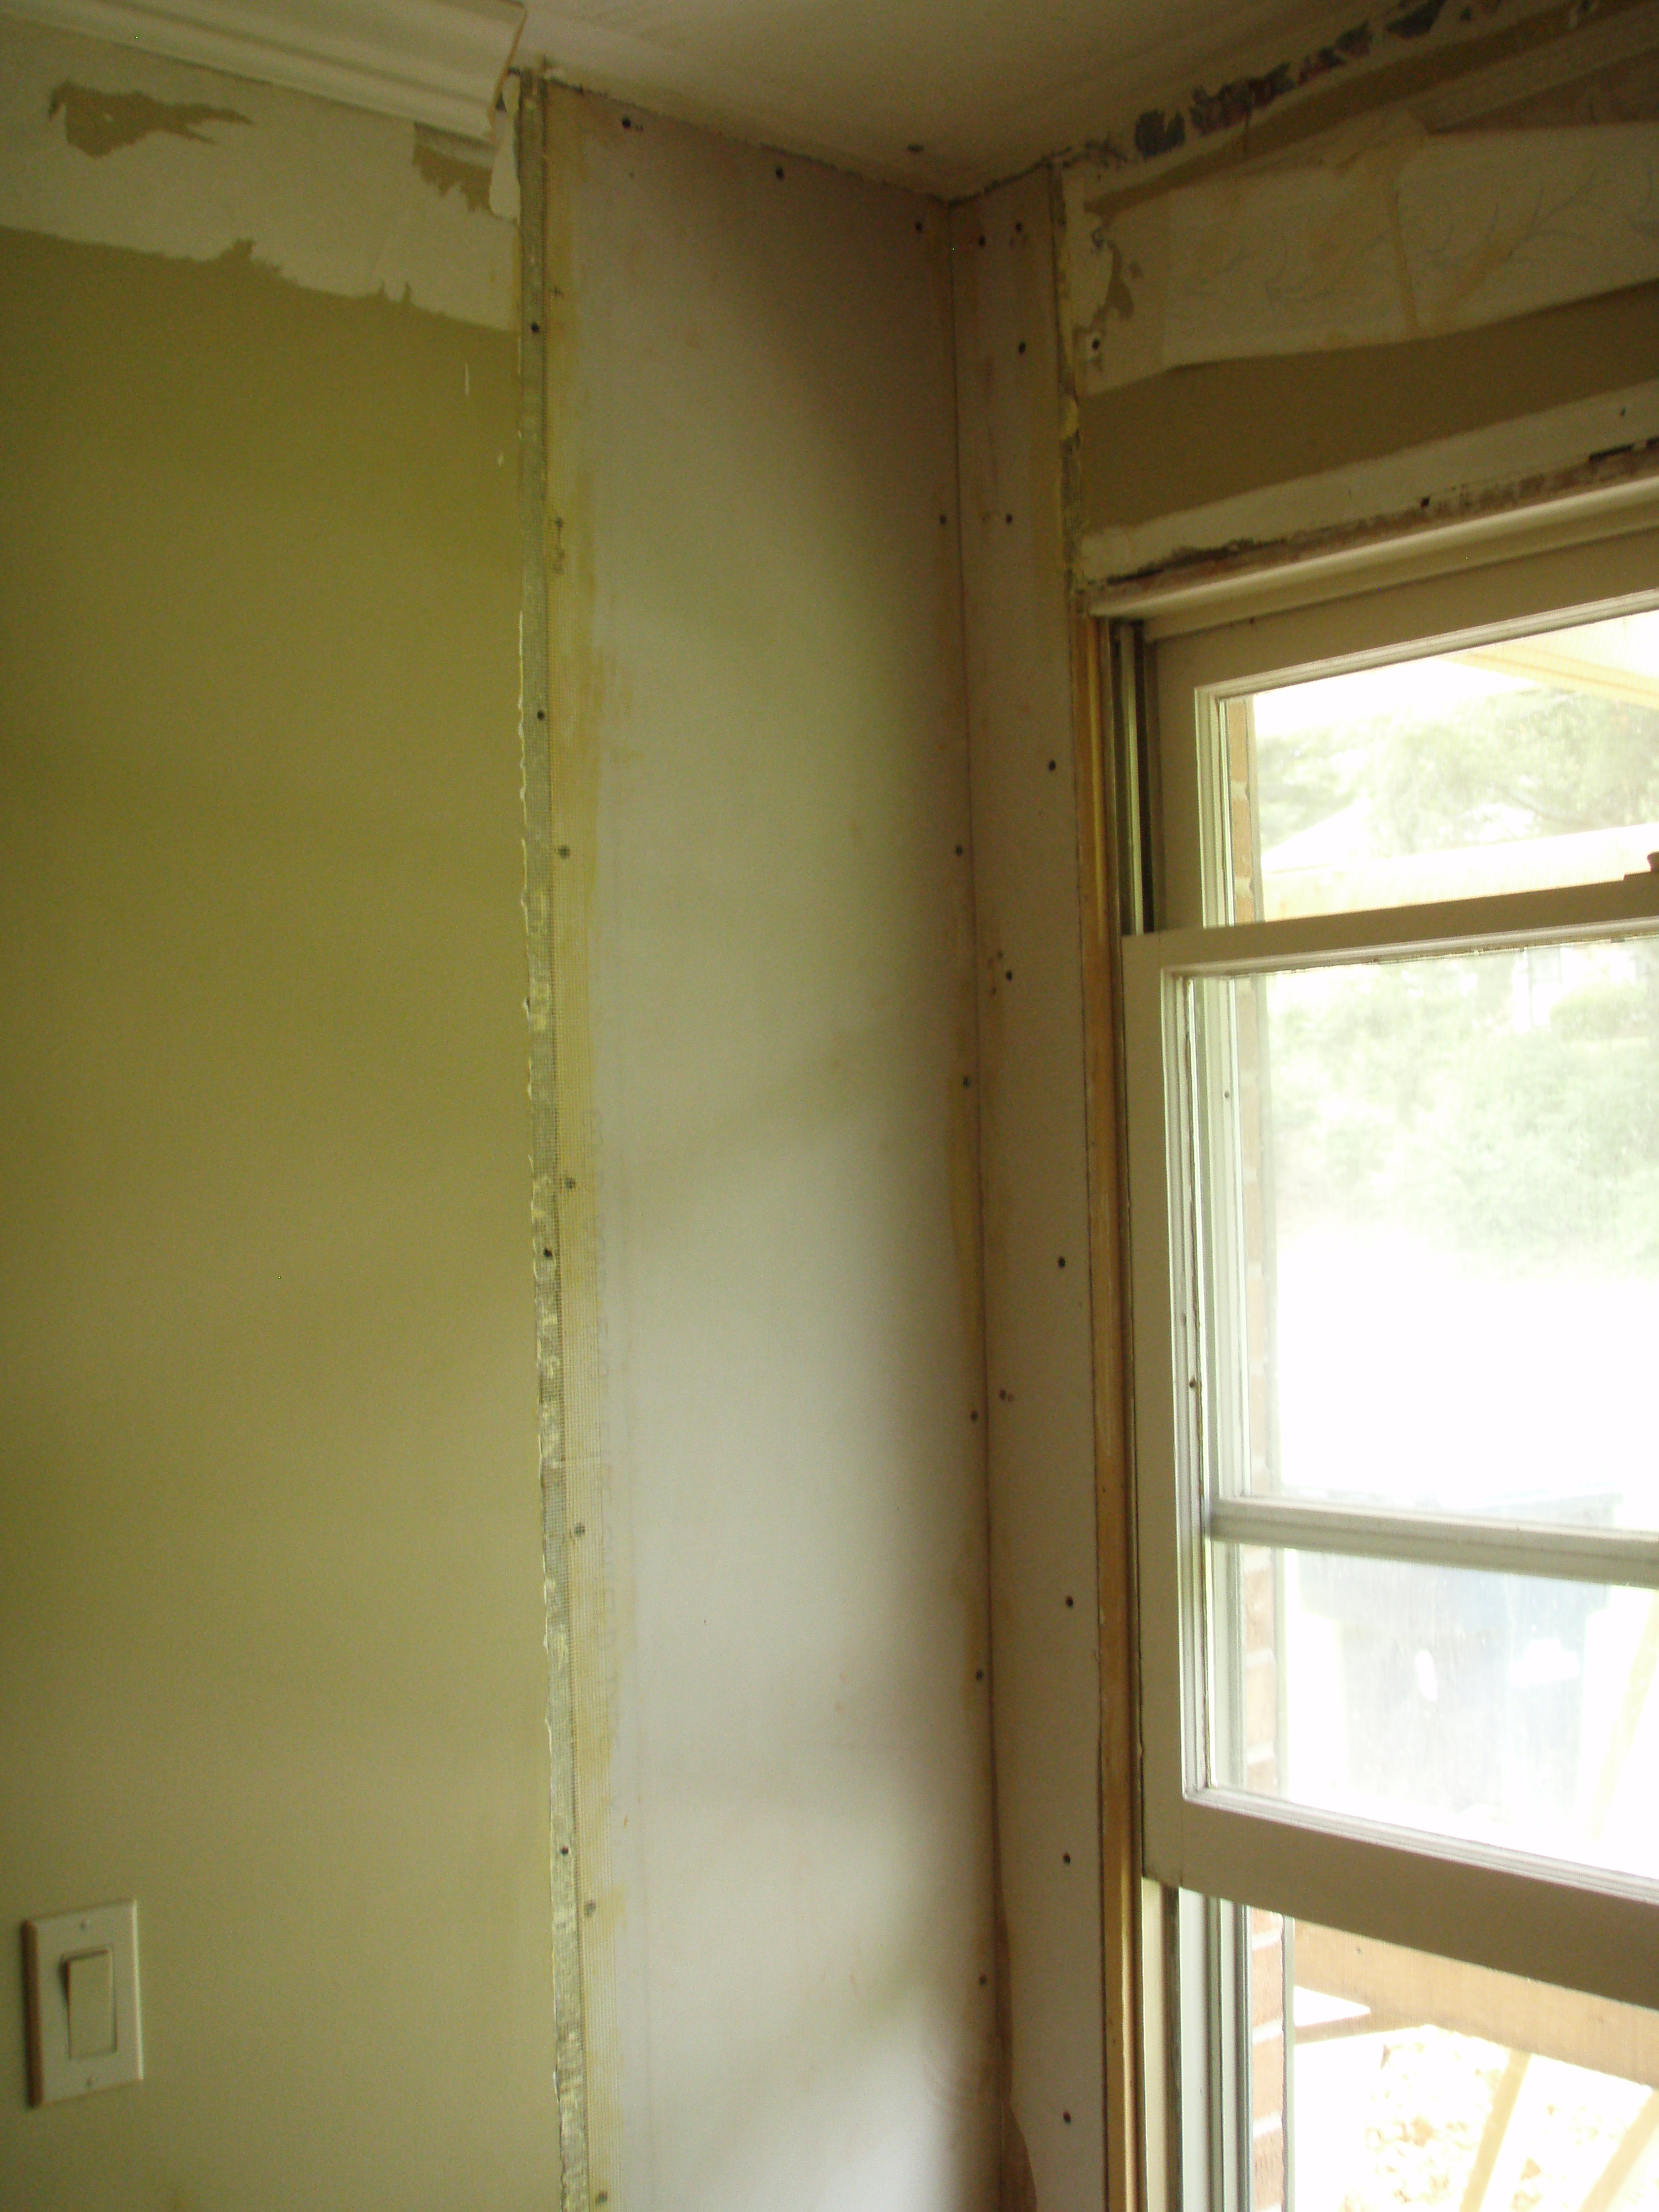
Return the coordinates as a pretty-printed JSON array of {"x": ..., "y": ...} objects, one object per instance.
[{"x": 570, "y": 2052}]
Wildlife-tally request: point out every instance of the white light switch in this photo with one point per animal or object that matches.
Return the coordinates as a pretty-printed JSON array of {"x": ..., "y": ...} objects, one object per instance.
[
  {"x": 83, "y": 2026},
  {"x": 89, "y": 1977}
]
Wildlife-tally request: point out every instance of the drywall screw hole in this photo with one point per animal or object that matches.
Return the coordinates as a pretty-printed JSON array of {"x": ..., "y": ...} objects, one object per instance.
[
  {"x": 1051, "y": 768},
  {"x": 1022, "y": 345},
  {"x": 778, "y": 173},
  {"x": 1071, "y": 1601},
  {"x": 958, "y": 848},
  {"x": 1007, "y": 518},
  {"x": 1008, "y": 975},
  {"x": 564, "y": 1850},
  {"x": 1066, "y": 1858},
  {"x": 982, "y": 238},
  {"x": 535, "y": 330},
  {"x": 627, "y": 123},
  {"x": 1061, "y": 1261},
  {"x": 1067, "y": 2118},
  {"x": 564, "y": 852}
]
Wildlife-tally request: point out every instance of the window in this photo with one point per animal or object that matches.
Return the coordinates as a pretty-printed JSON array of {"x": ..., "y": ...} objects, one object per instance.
[{"x": 1392, "y": 1056}]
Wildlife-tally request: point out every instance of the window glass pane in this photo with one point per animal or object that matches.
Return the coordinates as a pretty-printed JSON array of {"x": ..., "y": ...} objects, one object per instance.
[
  {"x": 1509, "y": 766},
  {"x": 1509, "y": 1710},
  {"x": 1400, "y": 2079},
  {"x": 1428, "y": 1198}
]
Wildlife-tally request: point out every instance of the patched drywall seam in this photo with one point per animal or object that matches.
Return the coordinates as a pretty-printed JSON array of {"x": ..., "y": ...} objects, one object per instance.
[
  {"x": 546, "y": 1170},
  {"x": 1040, "y": 1403},
  {"x": 1526, "y": 151},
  {"x": 1375, "y": 235},
  {"x": 576, "y": 701},
  {"x": 1435, "y": 195},
  {"x": 1016, "y": 2190},
  {"x": 110, "y": 148}
]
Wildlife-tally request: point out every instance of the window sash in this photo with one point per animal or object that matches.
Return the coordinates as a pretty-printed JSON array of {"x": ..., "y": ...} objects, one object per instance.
[
  {"x": 1487, "y": 1545},
  {"x": 1493, "y": 1908},
  {"x": 1594, "y": 1931}
]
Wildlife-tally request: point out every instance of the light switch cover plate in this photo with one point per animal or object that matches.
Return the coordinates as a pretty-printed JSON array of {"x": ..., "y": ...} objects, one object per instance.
[{"x": 48, "y": 1945}]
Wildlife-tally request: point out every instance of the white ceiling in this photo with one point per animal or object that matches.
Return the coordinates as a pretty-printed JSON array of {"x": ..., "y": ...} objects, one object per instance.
[{"x": 984, "y": 87}]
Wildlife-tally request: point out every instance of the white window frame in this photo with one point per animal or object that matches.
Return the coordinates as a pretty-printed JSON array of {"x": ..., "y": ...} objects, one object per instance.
[{"x": 1491, "y": 1907}]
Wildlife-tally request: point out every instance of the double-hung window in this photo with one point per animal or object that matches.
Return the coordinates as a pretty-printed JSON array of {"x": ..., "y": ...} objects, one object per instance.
[{"x": 1391, "y": 1037}]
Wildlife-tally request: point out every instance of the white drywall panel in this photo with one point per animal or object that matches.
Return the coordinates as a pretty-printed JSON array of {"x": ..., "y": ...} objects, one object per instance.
[
  {"x": 764, "y": 1006},
  {"x": 1045, "y": 1638}
]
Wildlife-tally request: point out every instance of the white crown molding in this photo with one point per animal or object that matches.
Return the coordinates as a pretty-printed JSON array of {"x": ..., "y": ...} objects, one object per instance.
[{"x": 437, "y": 62}]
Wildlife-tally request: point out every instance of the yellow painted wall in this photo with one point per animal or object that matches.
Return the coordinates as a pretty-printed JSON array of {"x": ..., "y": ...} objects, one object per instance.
[{"x": 270, "y": 1624}]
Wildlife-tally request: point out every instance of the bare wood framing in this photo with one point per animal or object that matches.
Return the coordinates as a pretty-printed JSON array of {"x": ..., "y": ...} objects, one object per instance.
[
  {"x": 1120, "y": 1856},
  {"x": 569, "y": 2026}
]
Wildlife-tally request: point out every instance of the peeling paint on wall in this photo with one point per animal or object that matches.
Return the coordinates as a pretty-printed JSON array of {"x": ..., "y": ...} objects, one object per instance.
[
  {"x": 1238, "y": 102},
  {"x": 99, "y": 123},
  {"x": 1234, "y": 102},
  {"x": 454, "y": 164},
  {"x": 110, "y": 147},
  {"x": 1376, "y": 58}
]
